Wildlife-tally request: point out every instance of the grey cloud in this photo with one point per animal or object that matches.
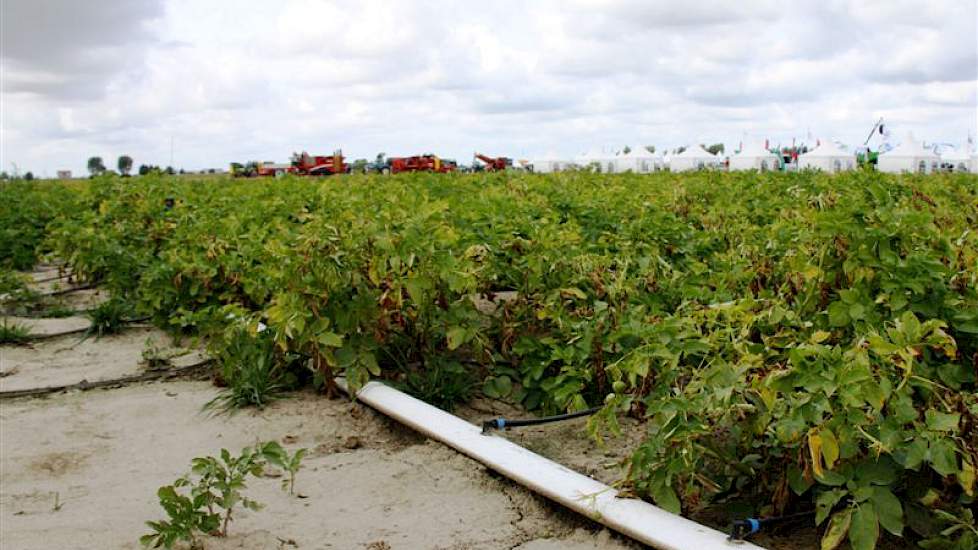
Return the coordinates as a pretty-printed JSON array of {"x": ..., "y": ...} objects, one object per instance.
[
  {"x": 672, "y": 13},
  {"x": 519, "y": 103},
  {"x": 507, "y": 78},
  {"x": 953, "y": 68},
  {"x": 68, "y": 49}
]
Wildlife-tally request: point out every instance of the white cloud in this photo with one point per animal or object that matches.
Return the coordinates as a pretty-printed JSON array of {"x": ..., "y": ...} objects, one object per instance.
[{"x": 256, "y": 80}]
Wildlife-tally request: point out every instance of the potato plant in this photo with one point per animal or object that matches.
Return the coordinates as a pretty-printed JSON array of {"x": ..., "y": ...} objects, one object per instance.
[{"x": 794, "y": 342}]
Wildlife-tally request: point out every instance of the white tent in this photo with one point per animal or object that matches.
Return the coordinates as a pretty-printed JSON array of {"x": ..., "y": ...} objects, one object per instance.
[
  {"x": 958, "y": 159},
  {"x": 909, "y": 156},
  {"x": 695, "y": 157},
  {"x": 638, "y": 160},
  {"x": 598, "y": 161},
  {"x": 551, "y": 162},
  {"x": 755, "y": 157},
  {"x": 828, "y": 157},
  {"x": 973, "y": 164}
]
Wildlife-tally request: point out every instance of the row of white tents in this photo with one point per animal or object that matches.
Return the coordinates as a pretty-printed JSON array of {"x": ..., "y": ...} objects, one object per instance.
[{"x": 910, "y": 156}]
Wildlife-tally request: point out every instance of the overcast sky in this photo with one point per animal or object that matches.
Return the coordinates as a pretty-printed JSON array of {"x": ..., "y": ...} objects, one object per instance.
[{"x": 239, "y": 80}]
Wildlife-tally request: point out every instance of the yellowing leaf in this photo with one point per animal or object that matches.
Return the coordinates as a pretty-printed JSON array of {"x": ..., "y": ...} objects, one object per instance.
[
  {"x": 837, "y": 529},
  {"x": 820, "y": 336},
  {"x": 331, "y": 339},
  {"x": 967, "y": 478},
  {"x": 456, "y": 337},
  {"x": 573, "y": 292},
  {"x": 830, "y": 447},
  {"x": 768, "y": 396},
  {"x": 815, "y": 450}
]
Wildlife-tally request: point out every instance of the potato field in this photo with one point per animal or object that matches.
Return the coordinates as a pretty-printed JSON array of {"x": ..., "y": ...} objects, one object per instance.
[{"x": 793, "y": 344}]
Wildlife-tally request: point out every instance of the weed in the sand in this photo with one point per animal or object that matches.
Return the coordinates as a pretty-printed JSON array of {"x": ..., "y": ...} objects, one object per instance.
[
  {"x": 251, "y": 367},
  {"x": 276, "y": 455},
  {"x": 57, "y": 312},
  {"x": 203, "y": 502},
  {"x": 157, "y": 357},
  {"x": 13, "y": 333},
  {"x": 108, "y": 317}
]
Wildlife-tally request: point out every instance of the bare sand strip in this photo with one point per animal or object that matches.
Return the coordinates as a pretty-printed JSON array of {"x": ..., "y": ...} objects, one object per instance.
[{"x": 367, "y": 483}]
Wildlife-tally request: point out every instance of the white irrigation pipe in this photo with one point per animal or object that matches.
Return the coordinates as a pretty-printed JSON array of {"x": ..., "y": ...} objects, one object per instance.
[{"x": 633, "y": 517}]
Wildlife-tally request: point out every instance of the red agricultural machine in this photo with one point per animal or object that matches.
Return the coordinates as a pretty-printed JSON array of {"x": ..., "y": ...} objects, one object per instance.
[
  {"x": 303, "y": 164},
  {"x": 491, "y": 164},
  {"x": 420, "y": 163}
]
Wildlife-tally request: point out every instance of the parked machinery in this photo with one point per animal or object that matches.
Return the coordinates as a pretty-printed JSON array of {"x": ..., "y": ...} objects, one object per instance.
[
  {"x": 305, "y": 164},
  {"x": 419, "y": 163},
  {"x": 378, "y": 166},
  {"x": 491, "y": 164},
  {"x": 246, "y": 170}
]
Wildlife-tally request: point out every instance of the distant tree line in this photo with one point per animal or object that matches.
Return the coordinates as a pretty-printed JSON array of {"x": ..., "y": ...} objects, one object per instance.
[
  {"x": 28, "y": 176},
  {"x": 124, "y": 164}
]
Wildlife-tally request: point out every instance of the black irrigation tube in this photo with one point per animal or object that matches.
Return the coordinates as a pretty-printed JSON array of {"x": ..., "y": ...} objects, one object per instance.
[
  {"x": 39, "y": 315},
  {"x": 37, "y": 337},
  {"x": 741, "y": 529},
  {"x": 85, "y": 385},
  {"x": 49, "y": 279},
  {"x": 68, "y": 290},
  {"x": 502, "y": 423},
  {"x": 33, "y": 337}
]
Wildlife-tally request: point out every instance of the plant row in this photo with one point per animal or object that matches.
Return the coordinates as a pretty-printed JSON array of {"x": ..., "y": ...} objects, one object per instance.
[{"x": 795, "y": 342}]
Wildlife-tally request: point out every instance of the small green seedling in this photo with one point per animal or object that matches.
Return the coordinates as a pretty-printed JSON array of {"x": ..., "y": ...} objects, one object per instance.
[
  {"x": 157, "y": 357},
  {"x": 222, "y": 480},
  {"x": 276, "y": 455},
  {"x": 215, "y": 487},
  {"x": 188, "y": 516}
]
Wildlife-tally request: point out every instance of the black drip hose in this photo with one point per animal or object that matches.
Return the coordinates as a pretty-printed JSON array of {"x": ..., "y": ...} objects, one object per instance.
[
  {"x": 502, "y": 423},
  {"x": 741, "y": 529}
]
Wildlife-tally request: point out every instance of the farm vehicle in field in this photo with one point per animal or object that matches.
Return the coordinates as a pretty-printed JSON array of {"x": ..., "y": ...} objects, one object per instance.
[
  {"x": 303, "y": 164},
  {"x": 417, "y": 163},
  {"x": 421, "y": 163},
  {"x": 246, "y": 170},
  {"x": 378, "y": 166},
  {"x": 491, "y": 164}
]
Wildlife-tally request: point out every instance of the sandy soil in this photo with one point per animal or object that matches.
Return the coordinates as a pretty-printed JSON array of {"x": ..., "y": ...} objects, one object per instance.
[
  {"x": 48, "y": 273},
  {"x": 80, "y": 300},
  {"x": 81, "y": 469},
  {"x": 43, "y": 328},
  {"x": 73, "y": 358},
  {"x": 367, "y": 482}
]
